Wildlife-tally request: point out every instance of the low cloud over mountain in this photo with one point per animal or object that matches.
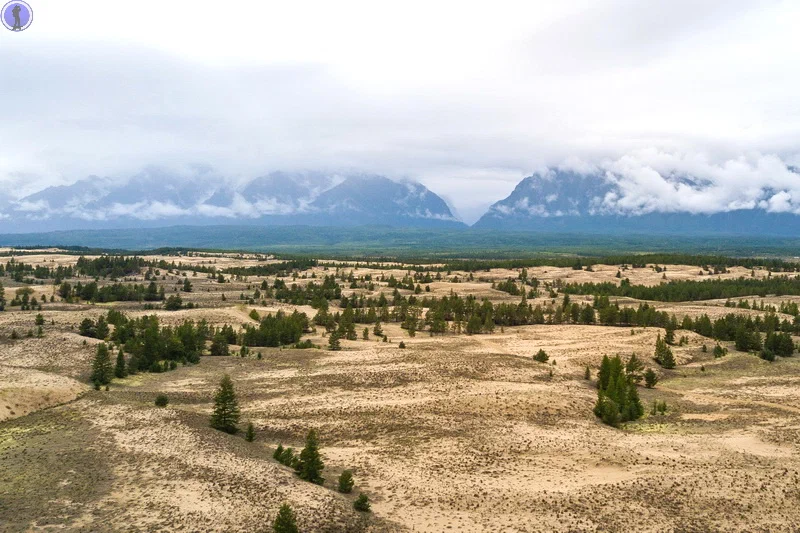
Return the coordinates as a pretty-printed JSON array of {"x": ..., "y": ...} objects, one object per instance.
[
  {"x": 157, "y": 197},
  {"x": 667, "y": 195}
]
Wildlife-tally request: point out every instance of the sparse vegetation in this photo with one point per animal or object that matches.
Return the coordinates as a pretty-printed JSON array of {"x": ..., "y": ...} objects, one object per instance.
[{"x": 427, "y": 401}]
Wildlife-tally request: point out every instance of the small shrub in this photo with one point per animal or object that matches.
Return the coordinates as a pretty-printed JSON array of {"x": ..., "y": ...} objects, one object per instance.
[
  {"x": 650, "y": 378},
  {"x": 541, "y": 356},
  {"x": 362, "y": 503},
  {"x": 285, "y": 522},
  {"x": 346, "y": 482},
  {"x": 250, "y": 434},
  {"x": 162, "y": 400},
  {"x": 402, "y": 345}
]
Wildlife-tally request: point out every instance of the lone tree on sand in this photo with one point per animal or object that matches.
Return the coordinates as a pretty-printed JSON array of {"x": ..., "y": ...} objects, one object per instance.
[
  {"x": 309, "y": 466},
  {"x": 346, "y": 482},
  {"x": 226, "y": 409},
  {"x": 285, "y": 522}
]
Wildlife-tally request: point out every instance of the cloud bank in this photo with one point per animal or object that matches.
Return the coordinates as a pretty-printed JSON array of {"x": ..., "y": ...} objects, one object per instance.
[{"x": 682, "y": 105}]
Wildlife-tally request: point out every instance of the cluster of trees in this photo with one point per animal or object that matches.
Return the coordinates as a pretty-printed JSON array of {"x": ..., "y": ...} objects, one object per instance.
[
  {"x": 24, "y": 298},
  {"x": 315, "y": 294},
  {"x": 113, "y": 266},
  {"x": 150, "y": 347},
  {"x": 687, "y": 290},
  {"x": 117, "y": 292},
  {"x": 283, "y": 268},
  {"x": 22, "y": 272},
  {"x": 768, "y": 333},
  {"x": 707, "y": 262},
  {"x": 276, "y": 330},
  {"x": 2, "y": 297},
  {"x": 663, "y": 353},
  {"x": 617, "y": 397},
  {"x": 308, "y": 463}
]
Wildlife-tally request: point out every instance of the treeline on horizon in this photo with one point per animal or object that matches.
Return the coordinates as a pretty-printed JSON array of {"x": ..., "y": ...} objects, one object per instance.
[{"x": 691, "y": 290}]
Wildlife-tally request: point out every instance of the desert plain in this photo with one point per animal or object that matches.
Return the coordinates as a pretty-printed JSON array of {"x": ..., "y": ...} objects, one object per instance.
[{"x": 454, "y": 432}]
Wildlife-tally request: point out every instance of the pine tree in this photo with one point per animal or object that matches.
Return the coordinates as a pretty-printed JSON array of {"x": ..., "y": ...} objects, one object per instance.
[
  {"x": 250, "y": 435},
  {"x": 541, "y": 356},
  {"x": 617, "y": 396},
  {"x": 101, "y": 330},
  {"x": 365, "y": 334},
  {"x": 102, "y": 371},
  {"x": 669, "y": 338},
  {"x": 333, "y": 341},
  {"x": 226, "y": 409},
  {"x": 278, "y": 452},
  {"x": 309, "y": 466},
  {"x": 119, "y": 370},
  {"x": 377, "y": 331},
  {"x": 604, "y": 373},
  {"x": 650, "y": 378},
  {"x": 663, "y": 354},
  {"x": 219, "y": 345},
  {"x": 634, "y": 368},
  {"x": 362, "y": 503},
  {"x": 346, "y": 482},
  {"x": 634, "y": 406},
  {"x": 285, "y": 522}
]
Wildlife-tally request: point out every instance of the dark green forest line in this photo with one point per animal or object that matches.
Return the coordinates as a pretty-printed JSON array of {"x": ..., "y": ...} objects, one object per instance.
[{"x": 364, "y": 241}]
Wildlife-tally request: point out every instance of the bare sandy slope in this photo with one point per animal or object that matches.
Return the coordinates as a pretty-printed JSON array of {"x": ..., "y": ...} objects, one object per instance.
[{"x": 453, "y": 433}]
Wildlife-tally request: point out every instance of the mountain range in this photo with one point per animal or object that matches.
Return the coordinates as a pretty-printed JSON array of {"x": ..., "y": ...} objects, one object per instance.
[
  {"x": 555, "y": 201},
  {"x": 155, "y": 198}
]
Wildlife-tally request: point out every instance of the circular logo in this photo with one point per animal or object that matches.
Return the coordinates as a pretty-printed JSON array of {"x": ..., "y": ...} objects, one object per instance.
[{"x": 17, "y": 15}]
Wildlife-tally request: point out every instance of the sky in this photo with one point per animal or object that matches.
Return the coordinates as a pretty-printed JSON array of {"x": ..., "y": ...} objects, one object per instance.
[{"x": 467, "y": 97}]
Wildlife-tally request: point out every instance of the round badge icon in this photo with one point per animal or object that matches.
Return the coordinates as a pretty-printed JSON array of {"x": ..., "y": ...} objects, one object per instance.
[{"x": 16, "y": 15}]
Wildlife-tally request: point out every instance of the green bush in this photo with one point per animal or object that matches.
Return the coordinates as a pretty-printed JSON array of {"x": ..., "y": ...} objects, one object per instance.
[
  {"x": 362, "y": 503},
  {"x": 162, "y": 400},
  {"x": 346, "y": 482}
]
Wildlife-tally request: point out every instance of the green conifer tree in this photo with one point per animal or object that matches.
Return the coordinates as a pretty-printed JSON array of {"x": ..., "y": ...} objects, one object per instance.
[
  {"x": 310, "y": 465},
  {"x": 120, "y": 371},
  {"x": 346, "y": 482},
  {"x": 102, "y": 370},
  {"x": 362, "y": 503},
  {"x": 226, "y": 409},
  {"x": 285, "y": 522}
]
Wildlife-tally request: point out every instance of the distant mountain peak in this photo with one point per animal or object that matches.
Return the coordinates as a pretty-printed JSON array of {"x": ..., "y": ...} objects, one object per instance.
[{"x": 158, "y": 196}]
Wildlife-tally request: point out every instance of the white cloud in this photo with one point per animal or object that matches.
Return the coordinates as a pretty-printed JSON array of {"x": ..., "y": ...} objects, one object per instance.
[{"x": 466, "y": 98}]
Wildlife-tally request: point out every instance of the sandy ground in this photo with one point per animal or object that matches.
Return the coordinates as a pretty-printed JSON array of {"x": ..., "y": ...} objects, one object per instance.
[{"x": 453, "y": 433}]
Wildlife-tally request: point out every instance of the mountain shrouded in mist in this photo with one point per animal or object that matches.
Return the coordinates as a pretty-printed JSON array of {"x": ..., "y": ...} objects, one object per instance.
[
  {"x": 608, "y": 202},
  {"x": 156, "y": 198},
  {"x": 616, "y": 199}
]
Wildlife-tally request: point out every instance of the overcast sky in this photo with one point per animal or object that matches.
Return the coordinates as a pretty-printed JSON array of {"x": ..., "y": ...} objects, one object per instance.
[{"x": 465, "y": 97}]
